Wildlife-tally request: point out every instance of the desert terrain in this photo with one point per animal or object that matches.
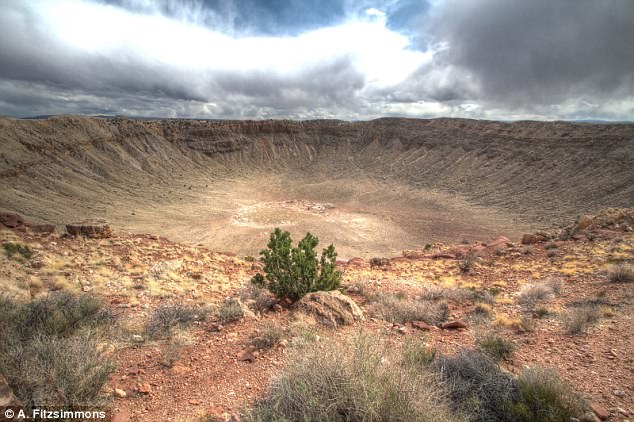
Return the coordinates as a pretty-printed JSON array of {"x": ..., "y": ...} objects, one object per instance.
[{"x": 512, "y": 239}]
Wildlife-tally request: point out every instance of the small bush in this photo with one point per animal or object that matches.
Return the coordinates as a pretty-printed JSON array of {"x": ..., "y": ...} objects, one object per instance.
[
  {"x": 541, "y": 312},
  {"x": 49, "y": 353},
  {"x": 467, "y": 264},
  {"x": 543, "y": 397},
  {"x": 379, "y": 262},
  {"x": 171, "y": 352},
  {"x": 479, "y": 388},
  {"x": 230, "y": 311},
  {"x": 496, "y": 346},
  {"x": 293, "y": 272},
  {"x": 166, "y": 318},
  {"x": 256, "y": 298},
  {"x": 531, "y": 294},
  {"x": 459, "y": 295},
  {"x": 393, "y": 309},
  {"x": 270, "y": 334},
  {"x": 362, "y": 381},
  {"x": 621, "y": 274},
  {"x": 15, "y": 248},
  {"x": 579, "y": 319}
]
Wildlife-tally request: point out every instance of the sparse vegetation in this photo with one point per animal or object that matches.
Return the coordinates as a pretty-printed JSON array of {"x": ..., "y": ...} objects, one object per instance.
[
  {"x": 580, "y": 318},
  {"x": 544, "y": 397},
  {"x": 416, "y": 353},
  {"x": 621, "y": 273},
  {"x": 401, "y": 310},
  {"x": 484, "y": 393},
  {"x": 256, "y": 298},
  {"x": 362, "y": 381},
  {"x": 166, "y": 318},
  {"x": 293, "y": 272},
  {"x": 467, "y": 264},
  {"x": 49, "y": 349},
  {"x": 496, "y": 346},
  {"x": 268, "y": 336},
  {"x": 230, "y": 311},
  {"x": 16, "y": 248}
]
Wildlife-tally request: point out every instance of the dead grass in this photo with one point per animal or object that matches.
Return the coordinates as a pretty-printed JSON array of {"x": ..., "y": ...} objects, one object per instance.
[{"x": 401, "y": 310}]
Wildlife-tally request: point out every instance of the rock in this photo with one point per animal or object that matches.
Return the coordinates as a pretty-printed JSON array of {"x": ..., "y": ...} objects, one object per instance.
[
  {"x": 331, "y": 308},
  {"x": 121, "y": 415},
  {"x": 144, "y": 388},
  {"x": 421, "y": 325},
  {"x": 137, "y": 338},
  {"x": 601, "y": 412},
  {"x": 166, "y": 266},
  {"x": 7, "y": 398},
  {"x": 453, "y": 325},
  {"x": 180, "y": 370},
  {"x": 529, "y": 239},
  {"x": 247, "y": 354},
  {"x": 120, "y": 393},
  {"x": 94, "y": 229},
  {"x": 11, "y": 220},
  {"x": 194, "y": 402}
]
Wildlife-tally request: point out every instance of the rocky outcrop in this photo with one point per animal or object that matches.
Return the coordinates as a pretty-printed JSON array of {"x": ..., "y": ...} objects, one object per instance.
[
  {"x": 330, "y": 308},
  {"x": 94, "y": 229}
]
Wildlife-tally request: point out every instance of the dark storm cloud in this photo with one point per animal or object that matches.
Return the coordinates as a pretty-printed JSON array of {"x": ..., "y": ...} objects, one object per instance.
[{"x": 538, "y": 52}]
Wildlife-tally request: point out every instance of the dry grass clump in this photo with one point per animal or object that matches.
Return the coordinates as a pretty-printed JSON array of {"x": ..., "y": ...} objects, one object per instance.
[
  {"x": 401, "y": 310},
  {"x": 256, "y": 298},
  {"x": 268, "y": 336},
  {"x": 459, "y": 295},
  {"x": 49, "y": 353},
  {"x": 621, "y": 274},
  {"x": 363, "y": 380},
  {"x": 534, "y": 293},
  {"x": 169, "y": 317},
  {"x": 230, "y": 311},
  {"x": 579, "y": 319}
]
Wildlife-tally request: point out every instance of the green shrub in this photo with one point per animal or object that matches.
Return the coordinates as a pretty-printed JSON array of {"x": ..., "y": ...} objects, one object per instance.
[
  {"x": 49, "y": 350},
  {"x": 543, "y": 397},
  {"x": 496, "y": 346},
  {"x": 15, "y": 248},
  {"x": 416, "y": 353},
  {"x": 293, "y": 272},
  {"x": 363, "y": 381}
]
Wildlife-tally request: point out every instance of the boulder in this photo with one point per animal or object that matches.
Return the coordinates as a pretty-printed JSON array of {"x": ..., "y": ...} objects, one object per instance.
[
  {"x": 94, "y": 229},
  {"x": 529, "y": 239},
  {"x": 42, "y": 228},
  {"x": 331, "y": 308},
  {"x": 7, "y": 398},
  {"x": 11, "y": 220}
]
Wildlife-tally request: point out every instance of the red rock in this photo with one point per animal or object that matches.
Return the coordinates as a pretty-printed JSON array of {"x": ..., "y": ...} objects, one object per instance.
[
  {"x": 500, "y": 241},
  {"x": 11, "y": 220},
  {"x": 529, "y": 239},
  {"x": 601, "y": 412},
  {"x": 121, "y": 415},
  {"x": 356, "y": 261},
  {"x": 443, "y": 256},
  {"x": 453, "y": 325},
  {"x": 194, "y": 401},
  {"x": 247, "y": 354},
  {"x": 94, "y": 229},
  {"x": 421, "y": 325},
  {"x": 144, "y": 388}
]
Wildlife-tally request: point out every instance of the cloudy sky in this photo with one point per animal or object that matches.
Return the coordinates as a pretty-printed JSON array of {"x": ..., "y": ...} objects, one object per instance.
[{"x": 496, "y": 59}]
